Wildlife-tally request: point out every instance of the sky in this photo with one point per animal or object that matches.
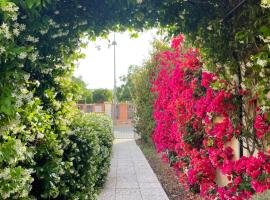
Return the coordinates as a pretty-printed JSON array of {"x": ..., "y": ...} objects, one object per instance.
[{"x": 97, "y": 68}]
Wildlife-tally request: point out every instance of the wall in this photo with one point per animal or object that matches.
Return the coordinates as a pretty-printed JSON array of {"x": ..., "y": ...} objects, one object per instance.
[{"x": 123, "y": 114}]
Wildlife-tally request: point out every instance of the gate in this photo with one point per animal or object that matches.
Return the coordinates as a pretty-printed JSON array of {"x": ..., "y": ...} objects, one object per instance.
[
  {"x": 123, "y": 131},
  {"x": 122, "y": 115}
]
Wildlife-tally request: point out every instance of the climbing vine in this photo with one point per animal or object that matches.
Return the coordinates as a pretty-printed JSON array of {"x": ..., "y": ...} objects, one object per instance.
[{"x": 196, "y": 123}]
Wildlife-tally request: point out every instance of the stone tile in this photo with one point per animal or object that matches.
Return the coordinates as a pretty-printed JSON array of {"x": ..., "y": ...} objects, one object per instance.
[
  {"x": 107, "y": 194},
  {"x": 150, "y": 185},
  {"x": 144, "y": 172},
  {"x": 130, "y": 176},
  {"x": 153, "y": 194},
  {"x": 111, "y": 182},
  {"x": 128, "y": 194},
  {"x": 126, "y": 172},
  {"x": 126, "y": 182},
  {"x": 146, "y": 178}
]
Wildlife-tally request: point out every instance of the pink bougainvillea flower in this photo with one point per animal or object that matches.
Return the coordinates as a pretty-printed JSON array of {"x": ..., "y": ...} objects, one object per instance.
[{"x": 195, "y": 123}]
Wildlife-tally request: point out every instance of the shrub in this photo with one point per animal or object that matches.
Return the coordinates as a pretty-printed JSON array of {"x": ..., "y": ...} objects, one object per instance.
[
  {"x": 142, "y": 97},
  {"x": 143, "y": 102},
  {"x": 86, "y": 157},
  {"x": 196, "y": 114}
]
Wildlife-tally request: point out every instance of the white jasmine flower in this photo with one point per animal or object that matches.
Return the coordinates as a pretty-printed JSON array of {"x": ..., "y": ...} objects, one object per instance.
[
  {"x": 249, "y": 64},
  {"x": 14, "y": 17},
  {"x": 2, "y": 50},
  {"x": 40, "y": 135},
  {"x": 51, "y": 22},
  {"x": 10, "y": 8},
  {"x": 16, "y": 31},
  {"x": 210, "y": 28},
  {"x": 16, "y": 25},
  {"x": 22, "y": 55},
  {"x": 261, "y": 62},
  {"x": 30, "y": 38},
  {"x": 7, "y": 35},
  {"x": 43, "y": 32},
  {"x": 26, "y": 77},
  {"x": 22, "y": 27},
  {"x": 4, "y": 26},
  {"x": 33, "y": 57}
]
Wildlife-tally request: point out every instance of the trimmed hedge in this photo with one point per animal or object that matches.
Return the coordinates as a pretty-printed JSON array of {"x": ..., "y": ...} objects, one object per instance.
[
  {"x": 74, "y": 167},
  {"x": 87, "y": 157}
]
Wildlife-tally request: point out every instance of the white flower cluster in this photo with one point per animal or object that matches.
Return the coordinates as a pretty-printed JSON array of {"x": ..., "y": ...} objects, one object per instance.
[
  {"x": 44, "y": 31},
  {"x": 46, "y": 71},
  {"x": 9, "y": 7},
  {"x": 22, "y": 55},
  {"x": 2, "y": 50},
  {"x": 33, "y": 56},
  {"x": 33, "y": 39},
  {"x": 4, "y": 30},
  {"x": 20, "y": 26},
  {"x": 11, "y": 10},
  {"x": 262, "y": 63},
  {"x": 51, "y": 22},
  {"x": 22, "y": 95},
  {"x": 60, "y": 34}
]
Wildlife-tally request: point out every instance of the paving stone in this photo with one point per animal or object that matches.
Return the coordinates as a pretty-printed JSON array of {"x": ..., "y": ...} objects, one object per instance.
[
  {"x": 147, "y": 177},
  {"x": 130, "y": 176},
  {"x": 153, "y": 194},
  {"x": 148, "y": 185},
  {"x": 107, "y": 194},
  {"x": 127, "y": 182},
  {"x": 128, "y": 194},
  {"x": 111, "y": 182}
]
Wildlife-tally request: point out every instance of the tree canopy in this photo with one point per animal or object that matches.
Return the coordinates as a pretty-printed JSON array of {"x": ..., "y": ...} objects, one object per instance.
[
  {"x": 123, "y": 92},
  {"x": 102, "y": 95},
  {"x": 86, "y": 95}
]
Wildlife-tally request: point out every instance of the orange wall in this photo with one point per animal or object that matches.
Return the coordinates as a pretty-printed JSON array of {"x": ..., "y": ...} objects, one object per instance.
[{"x": 122, "y": 118}]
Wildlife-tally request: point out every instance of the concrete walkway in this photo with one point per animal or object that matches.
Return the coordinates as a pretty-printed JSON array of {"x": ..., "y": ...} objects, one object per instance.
[{"x": 131, "y": 177}]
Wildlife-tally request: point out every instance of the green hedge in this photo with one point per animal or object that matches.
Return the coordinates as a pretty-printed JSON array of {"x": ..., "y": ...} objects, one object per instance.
[
  {"x": 142, "y": 97},
  {"x": 44, "y": 167},
  {"x": 87, "y": 157}
]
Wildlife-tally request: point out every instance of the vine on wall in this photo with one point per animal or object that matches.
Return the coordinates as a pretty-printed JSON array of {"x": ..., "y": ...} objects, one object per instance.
[{"x": 196, "y": 119}]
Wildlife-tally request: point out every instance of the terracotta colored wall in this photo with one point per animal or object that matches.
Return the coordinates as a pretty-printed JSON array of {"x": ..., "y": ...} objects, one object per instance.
[{"x": 122, "y": 115}]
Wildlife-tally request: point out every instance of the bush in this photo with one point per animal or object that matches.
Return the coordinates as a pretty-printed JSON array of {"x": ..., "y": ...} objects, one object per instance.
[
  {"x": 196, "y": 114},
  {"x": 143, "y": 101},
  {"x": 142, "y": 97},
  {"x": 87, "y": 157}
]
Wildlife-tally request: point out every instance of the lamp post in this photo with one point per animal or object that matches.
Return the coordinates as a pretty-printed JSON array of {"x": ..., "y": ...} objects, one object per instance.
[{"x": 114, "y": 80}]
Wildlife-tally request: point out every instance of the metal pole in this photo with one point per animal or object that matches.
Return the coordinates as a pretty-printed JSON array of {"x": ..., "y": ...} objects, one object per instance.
[{"x": 114, "y": 78}]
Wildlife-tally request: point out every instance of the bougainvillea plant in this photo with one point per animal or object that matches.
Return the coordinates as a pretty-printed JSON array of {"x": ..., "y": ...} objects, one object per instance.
[{"x": 196, "y": 121}]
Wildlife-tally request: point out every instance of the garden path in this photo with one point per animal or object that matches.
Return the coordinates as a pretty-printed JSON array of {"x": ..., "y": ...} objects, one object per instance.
[{"x": 131, "y": 177}]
